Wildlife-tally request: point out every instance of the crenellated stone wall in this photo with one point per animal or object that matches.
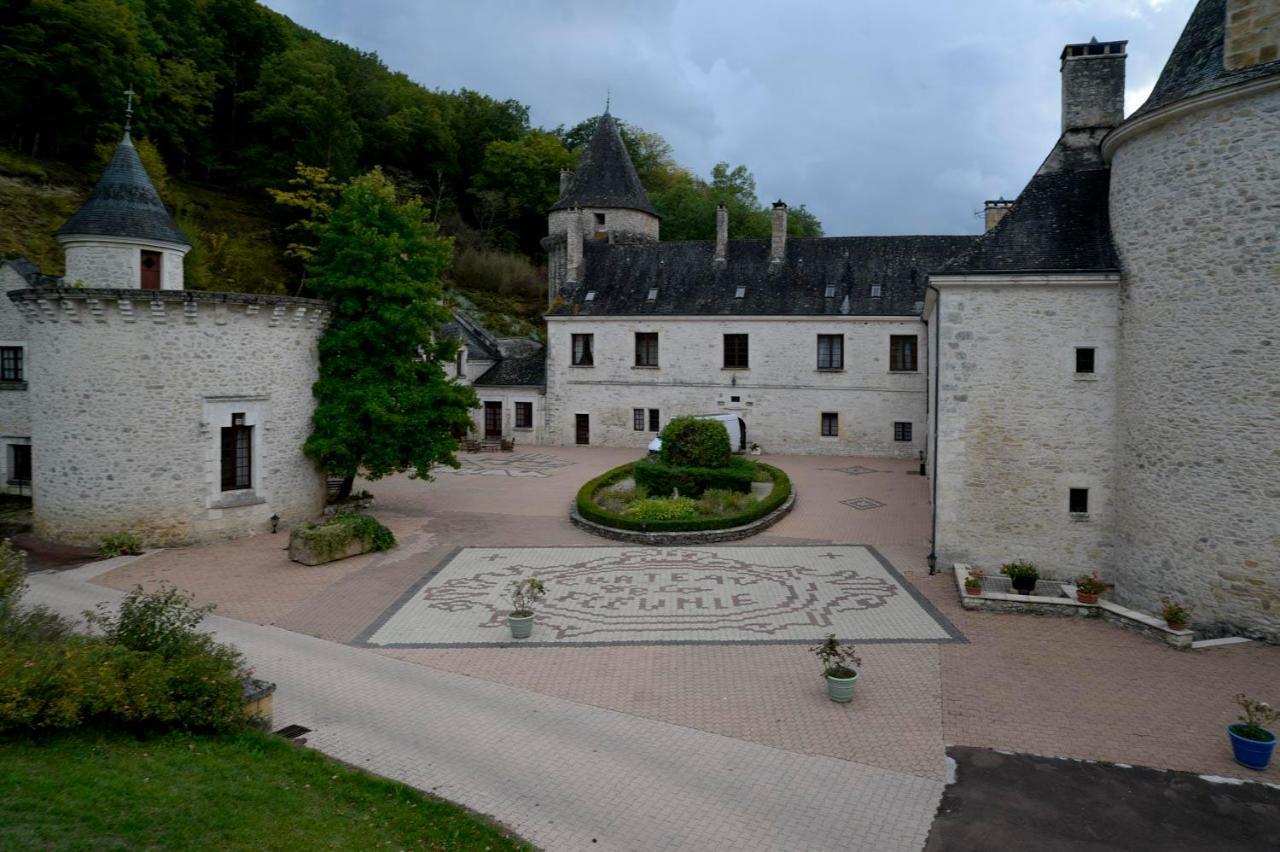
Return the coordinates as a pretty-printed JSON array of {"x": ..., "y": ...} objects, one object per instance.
[
  {"x": 129, "y": 391},
  {"x": 781, "y": 396},
  {"x": 1193, "y": 209}
]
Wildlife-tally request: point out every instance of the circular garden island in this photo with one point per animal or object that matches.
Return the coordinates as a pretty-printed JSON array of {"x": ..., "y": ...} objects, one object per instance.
[{"x": 694, "y": 491}]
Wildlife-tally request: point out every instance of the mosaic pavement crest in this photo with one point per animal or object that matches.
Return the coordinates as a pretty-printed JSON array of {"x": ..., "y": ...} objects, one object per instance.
[{"x": 662, "y": 595}]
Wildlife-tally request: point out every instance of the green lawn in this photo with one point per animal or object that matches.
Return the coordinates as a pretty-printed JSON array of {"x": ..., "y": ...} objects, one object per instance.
[{"x": 238, "y": 791}]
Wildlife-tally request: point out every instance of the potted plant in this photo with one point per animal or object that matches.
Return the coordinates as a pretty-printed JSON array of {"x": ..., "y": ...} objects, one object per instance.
[
  {"x": 1251, "y": 743},
  {"x": 1089, "y": 586},
  {"x": 839, "y": 666},
  {"x": 973, "y": 583},
  {"x": 1175, "y": 615},
  {"x": 524, "y": 594},
  {"x": 1022, "y": 576}
]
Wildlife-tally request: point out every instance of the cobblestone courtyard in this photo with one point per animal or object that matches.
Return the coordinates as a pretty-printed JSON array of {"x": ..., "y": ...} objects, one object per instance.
[{"x": 1052, "y": 686}]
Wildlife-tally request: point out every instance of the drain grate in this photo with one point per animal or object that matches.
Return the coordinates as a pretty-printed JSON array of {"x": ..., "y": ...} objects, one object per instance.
[{"x": 292, "y": 732}]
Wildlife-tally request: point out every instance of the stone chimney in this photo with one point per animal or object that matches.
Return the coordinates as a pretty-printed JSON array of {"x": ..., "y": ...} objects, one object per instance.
[
  {"x": 996, "y": 211},
  {"x": 1093, "y": 84},
  {"x": 566, "y": 178},
  {"x": 722, "y": 234},
  {"x": 573, "y": 248},
  {"x": 778, "y": 244},
  {"x": 1252, "y": 33}
]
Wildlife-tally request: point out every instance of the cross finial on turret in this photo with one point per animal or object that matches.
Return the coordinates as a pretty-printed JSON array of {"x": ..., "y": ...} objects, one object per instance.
[
  {"x": 607, "y": 97},
  {"x": 128, "y": 107}
]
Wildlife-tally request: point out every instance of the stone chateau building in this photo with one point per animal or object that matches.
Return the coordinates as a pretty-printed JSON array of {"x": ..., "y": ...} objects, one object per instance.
[{"x": 1092, "y": 382}]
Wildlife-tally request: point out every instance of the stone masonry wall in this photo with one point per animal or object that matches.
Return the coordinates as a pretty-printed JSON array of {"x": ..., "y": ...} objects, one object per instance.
[
  {"x": 15, "y": 401},
  {"x": 1252, "y": 33},
  {"x": 1018, "y": 427},
  {"x": 107, "y": 264},
  {"x": 781, "y": 397},
  {"x": 1193, "y": 208},
  {"x": 129, "y": 392}
]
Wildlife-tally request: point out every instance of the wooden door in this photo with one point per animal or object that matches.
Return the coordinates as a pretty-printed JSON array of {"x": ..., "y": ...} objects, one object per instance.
[
  {"x": 151, "y": 270},
  {"x": 493, "y": 419},
  {"x": 583, "y": 423}
]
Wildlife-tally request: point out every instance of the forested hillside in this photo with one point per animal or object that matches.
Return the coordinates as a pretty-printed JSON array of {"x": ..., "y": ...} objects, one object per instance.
[{"x": 232, "y": 98}]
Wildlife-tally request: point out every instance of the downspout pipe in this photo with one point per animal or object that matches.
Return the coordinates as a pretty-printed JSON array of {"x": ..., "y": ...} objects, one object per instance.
[{"x": 935, "y": 353}]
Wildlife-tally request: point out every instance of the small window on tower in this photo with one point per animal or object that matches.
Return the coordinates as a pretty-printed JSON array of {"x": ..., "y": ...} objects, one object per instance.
[
  {"x": 599, "y": 220},
  {"x": 1078, "y": 501},
  {"x": 1084, "y": 359}
]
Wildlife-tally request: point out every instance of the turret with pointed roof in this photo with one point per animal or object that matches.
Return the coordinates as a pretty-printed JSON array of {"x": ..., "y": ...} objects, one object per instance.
[
  {"x": 605, "y": 177},
  {"x": 602, "y": 201},
  {"x": 123, "y": 236}
]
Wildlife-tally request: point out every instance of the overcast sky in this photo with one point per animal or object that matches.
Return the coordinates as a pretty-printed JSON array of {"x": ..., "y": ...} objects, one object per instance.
[{"x": 883, "y": 116}]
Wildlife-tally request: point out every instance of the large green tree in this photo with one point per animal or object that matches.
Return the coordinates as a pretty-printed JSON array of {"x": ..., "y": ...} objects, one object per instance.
[{"x": 383, "y": 403}]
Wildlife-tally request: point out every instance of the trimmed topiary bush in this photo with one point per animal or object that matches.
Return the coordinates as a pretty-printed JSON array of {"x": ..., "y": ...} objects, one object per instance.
[
  {"x": 690, "y": 442},
  {"x": 661, "y": 479},
  {"x": 591, "y": 511}
]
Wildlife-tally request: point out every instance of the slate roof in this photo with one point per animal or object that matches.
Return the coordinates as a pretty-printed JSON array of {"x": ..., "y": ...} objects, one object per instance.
[
  {"x": 479, "y": 343},
  {"x": 1059, "y": 223},
  {"x": 689, "y": 283},
  {"x": 125, "y": 204},
  {"x": 529, "y": 371},
  {"x": 1195, "y": 66},
  {"x": 605, "y": 176}
]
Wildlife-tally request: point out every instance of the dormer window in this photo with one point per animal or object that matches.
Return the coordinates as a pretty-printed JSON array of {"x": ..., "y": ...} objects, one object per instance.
[
  {"x": 740, "y": 292},
  {"x": 590, "y": 297},
  {"x": 653, "y": 295},
  {"x": 875, "y": 291},
  {"x": 831, "y": 291}
]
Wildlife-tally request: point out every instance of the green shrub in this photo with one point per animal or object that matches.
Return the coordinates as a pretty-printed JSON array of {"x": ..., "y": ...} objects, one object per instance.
[
  {"x": 617, "y": 497},
  {"x": 119, "y": 544},
  {"x": 690, "y": 442},
  {"x": 663, "y": 509},
  {"x": 80, "y": 680},
  {"x": 717, "y": 502},
  {"x": 149, "y": 668},
  {"x": 23, "y": 623},
  {"x": 161, "y": 622},
  {"x": 589, "y": 510},
  {"x": 664, "y": 479}
]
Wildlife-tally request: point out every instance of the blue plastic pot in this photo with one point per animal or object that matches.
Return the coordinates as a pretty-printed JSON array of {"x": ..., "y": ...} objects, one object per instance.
[{"x": 1254, "y": 754}]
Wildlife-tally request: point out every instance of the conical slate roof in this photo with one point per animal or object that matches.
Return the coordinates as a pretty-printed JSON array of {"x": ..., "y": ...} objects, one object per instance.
[
  {"x": 605, "y": 175},
  {"x": 125, "y": 204},
  {"x": 1196, "y": 64}
]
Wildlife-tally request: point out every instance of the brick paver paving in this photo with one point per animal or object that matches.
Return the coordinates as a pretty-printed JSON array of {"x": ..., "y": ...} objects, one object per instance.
[
  {"x": 563, "y": 774},
  {"x": 1037, "y": 684}
]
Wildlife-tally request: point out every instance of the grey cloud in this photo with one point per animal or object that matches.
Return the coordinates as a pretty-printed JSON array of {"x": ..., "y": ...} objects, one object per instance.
[{"x": 882, "y": 117}]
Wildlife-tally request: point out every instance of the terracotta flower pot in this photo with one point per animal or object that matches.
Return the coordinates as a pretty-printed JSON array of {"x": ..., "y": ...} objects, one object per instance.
[
  {"x": 1180, "y": 625},
  {"x": 1086, "y": 598},
  {"x": 972, "y": 590}
]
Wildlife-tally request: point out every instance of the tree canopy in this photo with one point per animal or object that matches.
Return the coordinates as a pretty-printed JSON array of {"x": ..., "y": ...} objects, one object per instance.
[{"x": 383, "y": 403}]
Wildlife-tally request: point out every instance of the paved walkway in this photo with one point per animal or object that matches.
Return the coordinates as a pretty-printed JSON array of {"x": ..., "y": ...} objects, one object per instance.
[
  {"x": 1041, "y": 685},
  {"x": 562, "y": 774}
]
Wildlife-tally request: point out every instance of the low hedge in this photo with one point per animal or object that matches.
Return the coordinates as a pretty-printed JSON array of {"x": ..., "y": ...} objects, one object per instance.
[
  {"x": 588, "y": 509},
  {"x": 660, "y": 479},
  {"x": 330, "y": 537}
]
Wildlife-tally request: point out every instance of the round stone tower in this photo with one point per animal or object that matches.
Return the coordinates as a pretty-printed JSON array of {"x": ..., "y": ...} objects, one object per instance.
[
  {"x": 602, "y": 200},
  {"x": 175, "y": 415},
  {"x": 1195, "y": 174}
]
